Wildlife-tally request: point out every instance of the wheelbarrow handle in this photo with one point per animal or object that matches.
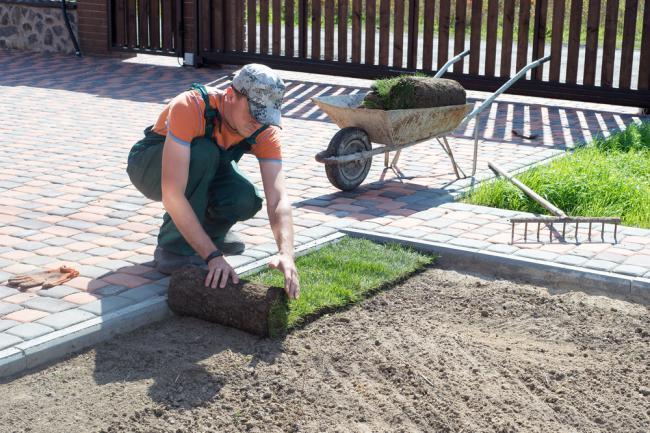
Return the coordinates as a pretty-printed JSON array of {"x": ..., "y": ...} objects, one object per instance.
[
  {"x": 502, "y": 89},
  {"x": 450, "y": 62}
]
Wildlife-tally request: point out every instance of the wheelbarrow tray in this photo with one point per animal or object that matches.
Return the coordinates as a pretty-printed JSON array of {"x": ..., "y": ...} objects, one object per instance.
[{"x": 392, "y": 127}]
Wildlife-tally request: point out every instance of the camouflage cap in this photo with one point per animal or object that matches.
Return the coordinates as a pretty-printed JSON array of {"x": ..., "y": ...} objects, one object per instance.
[{"x": 264, "y": 90}]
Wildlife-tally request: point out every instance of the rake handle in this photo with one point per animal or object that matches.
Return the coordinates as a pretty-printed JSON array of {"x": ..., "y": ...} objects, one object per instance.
[{"x": 529, "y": 192}]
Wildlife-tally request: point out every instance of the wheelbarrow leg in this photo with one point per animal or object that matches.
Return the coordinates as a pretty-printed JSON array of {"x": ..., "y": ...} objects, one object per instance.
[
  {"x": 386, "y": 159},
  {"x": 447, "y": 148},
  {"x": 395, "y": 158}
]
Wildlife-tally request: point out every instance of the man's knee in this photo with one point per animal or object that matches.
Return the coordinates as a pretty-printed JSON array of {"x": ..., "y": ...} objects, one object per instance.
[{"x": 247, "y": 203}]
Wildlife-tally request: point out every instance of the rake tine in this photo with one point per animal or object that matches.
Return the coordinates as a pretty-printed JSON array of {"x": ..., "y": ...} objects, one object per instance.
[
  {"x": 602, "y": 233},
  {"x": 563, "y": 230},
  {"x": 525, "y": 231},
  {"x": 538, "y": 225},
  {"x": 589, "y": 238},
  {"x": 577, "y": 223},
  {"x": 615, "y": 227},
  {"x": 512, "y": 235},
  {"x": 550, "y": 233}
]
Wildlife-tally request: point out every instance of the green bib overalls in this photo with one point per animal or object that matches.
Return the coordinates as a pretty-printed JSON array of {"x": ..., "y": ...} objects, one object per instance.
[{"x": 219, "y": 193}]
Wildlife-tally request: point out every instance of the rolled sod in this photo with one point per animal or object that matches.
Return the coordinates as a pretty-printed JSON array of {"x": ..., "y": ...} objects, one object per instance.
[
  {"x": 406, "y": 92},
  {"x": 247, "y": 306}
]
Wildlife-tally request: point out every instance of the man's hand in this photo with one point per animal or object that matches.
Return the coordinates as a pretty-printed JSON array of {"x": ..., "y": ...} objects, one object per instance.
[
  {"x": 218, "y": 273},
  {"x": 287, "y": 266}
]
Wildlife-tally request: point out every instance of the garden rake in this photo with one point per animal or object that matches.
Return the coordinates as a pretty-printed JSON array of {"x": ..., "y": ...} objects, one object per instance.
[{"x": 559, "y": 218}]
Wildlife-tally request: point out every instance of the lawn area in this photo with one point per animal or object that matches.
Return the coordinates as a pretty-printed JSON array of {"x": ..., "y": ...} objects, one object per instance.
[
  {"x": 337, "y": 275},
  {"x": 608, "y": 177}
]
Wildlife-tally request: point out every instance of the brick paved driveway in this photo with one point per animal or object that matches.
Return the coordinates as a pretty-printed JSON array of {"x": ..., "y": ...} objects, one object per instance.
[{"x": 68, "y": 124}]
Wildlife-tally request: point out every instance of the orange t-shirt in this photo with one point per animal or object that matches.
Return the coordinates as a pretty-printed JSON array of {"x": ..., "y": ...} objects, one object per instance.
[{"x": 183, "y": 120}]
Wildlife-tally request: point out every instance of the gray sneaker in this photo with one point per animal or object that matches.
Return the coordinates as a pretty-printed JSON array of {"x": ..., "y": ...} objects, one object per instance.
[
  {"x": 232, "y": 244},
  {"x": 167, "y": 262}
]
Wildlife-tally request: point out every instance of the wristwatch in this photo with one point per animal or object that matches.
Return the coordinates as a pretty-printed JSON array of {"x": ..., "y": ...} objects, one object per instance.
[{"x": 213, "y": 254}]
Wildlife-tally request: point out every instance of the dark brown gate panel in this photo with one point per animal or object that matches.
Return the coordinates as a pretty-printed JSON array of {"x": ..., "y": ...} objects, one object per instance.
[
  {"x": 147, "y": 26},
  {"x": 600, "y": 49}
]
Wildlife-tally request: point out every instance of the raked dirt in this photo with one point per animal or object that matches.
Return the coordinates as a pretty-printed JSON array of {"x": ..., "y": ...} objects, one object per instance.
[{"x": 442, "y": 352}]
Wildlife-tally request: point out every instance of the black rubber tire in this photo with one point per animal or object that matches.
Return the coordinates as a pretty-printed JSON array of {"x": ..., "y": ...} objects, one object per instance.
[{"x": 350, "y": 175}]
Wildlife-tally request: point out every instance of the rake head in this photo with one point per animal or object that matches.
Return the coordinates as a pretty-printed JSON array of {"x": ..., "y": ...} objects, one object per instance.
[{"x": 552, "y": 221}]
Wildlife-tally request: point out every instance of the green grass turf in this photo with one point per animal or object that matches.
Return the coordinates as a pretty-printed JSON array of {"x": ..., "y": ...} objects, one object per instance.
[
  {"x": 338, "y": 275},
  {"x": 608, "y": 177},
  {"x": 382, "y": 88}
]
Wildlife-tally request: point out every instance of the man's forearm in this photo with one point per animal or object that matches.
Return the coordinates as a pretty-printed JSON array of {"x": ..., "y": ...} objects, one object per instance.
[
  {"x": 282, "y": 226},
  {"x": 188, "y": 225}
]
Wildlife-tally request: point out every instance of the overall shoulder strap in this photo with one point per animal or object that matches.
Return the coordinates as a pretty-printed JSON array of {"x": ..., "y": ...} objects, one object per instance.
[
  {"x": 247, "y": 143},
  {"x": 210, "y": 112}
]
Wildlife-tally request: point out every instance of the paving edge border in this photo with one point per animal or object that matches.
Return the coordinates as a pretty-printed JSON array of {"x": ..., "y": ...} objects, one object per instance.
[
  {"x": 555, "y": 276},
  {"x": 56, "y": 345}
]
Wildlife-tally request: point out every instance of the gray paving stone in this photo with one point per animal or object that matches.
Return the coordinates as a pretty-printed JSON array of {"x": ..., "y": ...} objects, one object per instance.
[
  {"x": 86, "y": 237},
  {"x": 503, "y": 249},
  {"x": 571, "y": 260},
  {"x": 51, "y": 305},
  {"x": 124, "y": 233},
  {"x": 31, "y": 224},
  {"x": 339, "y": 223},
  {"x": 30, "y": 246},
  {"x": 74, "y": 256},
  {"x": 7, "y": 291},
  {"x": 269, "y": 247},
  {"x": 451, "y": 232},
  {"x": 102, "y": 251},
  {"x": 110, "y": 290},
  {"x": 113, "y": 222},
  {"x": 389, "y": 230},
  {"x": 239, "y": 260},
  {"x": 638, "y": 260},
  {"x": 469, "y": 243},
  {"x": 304, "y": 222},
  {"x": 27, "y": 331},
  {"x": 6, "y": 324},
  {"x": 601, "y": 265},
  {"x": 635, "y": 271},
  {"x": 106, "y": 305},
  {"x": 436, "y": 237},
  {"x": 256, "y": 254},
  {"x": 8, "y": 307},
  {"x": 113, "y": 264},
  {"x": 58, "y": 292},
  {"x": 140, "y": 259},
  {"x": 635, "y": 231},
  {"x": 537, "y": 255},
  {"x": 412, "y": 233},
  {"x": 318, "y": 232},
  {"x": 617, "y": 258},
  {"x": 127, "y": 246},
  {"x": 8, "y": 340},
  {"x": 37, "y": 260},
  {"x": 76, "y": 224},
  {"x": 4, "y": 263},
  {"x": 65, "y": 318},
  {"x": 144, "y": 292},
  {"x": 91, "y": 271},
  {"x": 366, "y": 225},
  {"x": 439, "y": 223}
]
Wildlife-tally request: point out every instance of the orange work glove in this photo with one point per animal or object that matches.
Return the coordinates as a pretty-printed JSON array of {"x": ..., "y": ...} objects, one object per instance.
[{"x": 51, "y": 278}]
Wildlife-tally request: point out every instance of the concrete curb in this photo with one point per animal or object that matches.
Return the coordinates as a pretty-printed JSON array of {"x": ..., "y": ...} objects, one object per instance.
[
  {"x": 58, "y": 344},
  {"x": 552, "y": 275}
]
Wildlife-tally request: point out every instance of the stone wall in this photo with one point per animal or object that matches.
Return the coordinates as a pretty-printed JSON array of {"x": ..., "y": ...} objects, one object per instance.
[{"x": 36, "y": 25}]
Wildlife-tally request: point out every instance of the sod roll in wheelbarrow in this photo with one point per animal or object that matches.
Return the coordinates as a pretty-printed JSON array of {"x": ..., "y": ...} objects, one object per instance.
[
  {"x": 247, "y": 306},
  {"x": 406, "y": 92}
]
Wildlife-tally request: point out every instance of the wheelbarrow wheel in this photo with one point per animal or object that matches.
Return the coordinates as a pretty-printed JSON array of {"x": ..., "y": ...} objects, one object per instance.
[{"x": 349, "y": 175}]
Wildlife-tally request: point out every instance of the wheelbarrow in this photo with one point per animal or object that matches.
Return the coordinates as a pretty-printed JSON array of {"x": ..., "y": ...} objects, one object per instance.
[{"x": 348, "y": 156}]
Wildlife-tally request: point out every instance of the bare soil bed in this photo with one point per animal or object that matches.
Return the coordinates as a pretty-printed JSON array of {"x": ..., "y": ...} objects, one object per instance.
[{"x": 442, "y": 352}]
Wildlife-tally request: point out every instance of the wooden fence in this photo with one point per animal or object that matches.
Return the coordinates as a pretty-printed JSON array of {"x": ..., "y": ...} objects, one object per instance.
[{"x": 600, "y": 50}]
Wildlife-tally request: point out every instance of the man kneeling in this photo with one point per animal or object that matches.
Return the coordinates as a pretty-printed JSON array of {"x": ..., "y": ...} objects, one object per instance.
[{"x": 188, "y": 160}]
